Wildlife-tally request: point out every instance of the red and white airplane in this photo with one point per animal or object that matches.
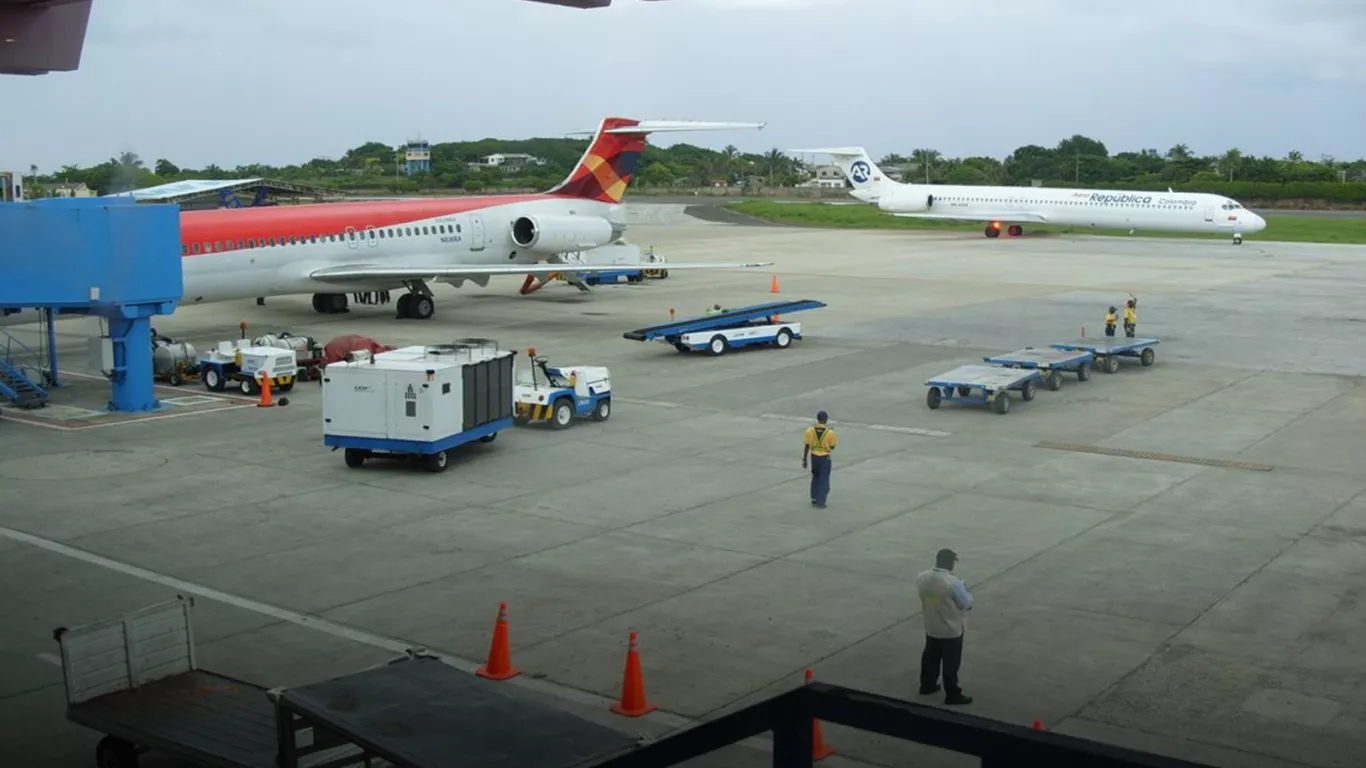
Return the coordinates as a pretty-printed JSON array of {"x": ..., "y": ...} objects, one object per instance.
[{"x": 335, "y": 249}]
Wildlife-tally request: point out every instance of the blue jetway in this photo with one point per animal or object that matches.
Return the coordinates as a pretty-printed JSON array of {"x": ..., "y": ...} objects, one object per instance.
[
  {"x": 758, "y": 314},
  {"x": 103, "y": 256}
]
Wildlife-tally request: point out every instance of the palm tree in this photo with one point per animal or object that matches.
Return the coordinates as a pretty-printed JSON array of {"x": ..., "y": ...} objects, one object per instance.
[
  {"x": 926, "y": 159},
  {"x": 777, "y": 163},
  {"x": 1179, "y": 153},
  {"x": 1230, "y": 162}
]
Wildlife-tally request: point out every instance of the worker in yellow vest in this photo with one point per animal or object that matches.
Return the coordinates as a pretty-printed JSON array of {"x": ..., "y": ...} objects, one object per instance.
[
  {"x": 1111, "y": 319},
  {"x": 1131, "y": 316},
  {"x": 819, "y": 442}
]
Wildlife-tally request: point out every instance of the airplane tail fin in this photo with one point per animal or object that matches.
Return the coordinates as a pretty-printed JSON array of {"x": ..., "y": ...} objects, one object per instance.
[
  {"x": 867, "y": 179},
  {"x": 606, "y": 168}
]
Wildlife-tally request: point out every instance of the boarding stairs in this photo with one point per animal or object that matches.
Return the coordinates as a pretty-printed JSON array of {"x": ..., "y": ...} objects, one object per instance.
[{"x": 15, "y": 384}]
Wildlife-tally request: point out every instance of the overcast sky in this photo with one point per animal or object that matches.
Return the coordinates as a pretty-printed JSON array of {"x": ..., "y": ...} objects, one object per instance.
[{"x": 282, "y": 81}]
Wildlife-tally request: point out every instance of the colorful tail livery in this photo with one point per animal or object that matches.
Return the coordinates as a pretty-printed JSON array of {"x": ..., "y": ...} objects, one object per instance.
[{"x": 605, "y": 170}]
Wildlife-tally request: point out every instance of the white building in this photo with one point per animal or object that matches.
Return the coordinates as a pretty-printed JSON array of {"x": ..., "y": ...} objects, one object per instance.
[{"x": 509, "y": 161}]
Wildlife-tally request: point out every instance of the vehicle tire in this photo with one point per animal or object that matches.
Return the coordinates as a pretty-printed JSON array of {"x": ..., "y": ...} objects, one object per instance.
[
  {"x": 113, "y": 752},
  {"x": 964, "y": 391},
  {"x": 1028, "y": 390},
  {"x": 404, "y": 306},
  {"x": 489, "y": 437},
  {"x": 1055, "y": 380},
  {"x": 355, "y": 457},
  {"x": 174, "y": 379},
  {"x": 717, "y": 345},
  {"x": 604, "y": 409},
  {"x": 422, "y": 307},
  {"x": 1147, "y": 357},
  {"x": 1111, "y": 364},
  {"x": 784, "y": 339},
  {"x": 435, "y": 462},
  {"x": 1001, "y": 404},
  {"x": 933, "y": 398},
  {"x": 1084, "y": 372},
  {"x": 563, "y": 414},
  {"x": 213, "y": 380},
  {"x": 681, "y": 347},
  {"x": 247, "y": 386}
]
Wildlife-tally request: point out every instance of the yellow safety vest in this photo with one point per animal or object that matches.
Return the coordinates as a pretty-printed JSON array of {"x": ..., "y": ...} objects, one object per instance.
[
  {"x": 821, "y": 439},
  {"x": 1130, "y": 315},
  {"x": 1110, "y": 318}
]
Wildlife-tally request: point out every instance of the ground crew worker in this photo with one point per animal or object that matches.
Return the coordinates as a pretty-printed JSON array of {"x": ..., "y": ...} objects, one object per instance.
[
  {"x": 1130, "y": 316},
  {"x": 945, "y": 602},
  {"x": 1111, "y": 318},
  {"x": 714, "y": 310},
  {"x": 819, "y": 442}
]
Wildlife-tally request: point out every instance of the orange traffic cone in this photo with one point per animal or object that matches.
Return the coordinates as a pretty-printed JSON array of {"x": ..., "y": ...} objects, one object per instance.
[
  {"x": 818, "y": 749},
  {"x": 499, "y": 665},
  {"x": 266, "y": 402},
  {"x": 633, "y": 703},
  {"x": 774, "y": 287}
]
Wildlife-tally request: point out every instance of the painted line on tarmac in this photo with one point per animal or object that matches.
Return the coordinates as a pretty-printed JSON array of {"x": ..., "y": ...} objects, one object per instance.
[
  {"x": 650, "y": 403},
  {"x": 876, "y": 427}
]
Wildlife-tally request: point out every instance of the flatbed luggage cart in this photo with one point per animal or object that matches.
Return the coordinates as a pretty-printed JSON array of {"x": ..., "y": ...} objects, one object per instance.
[
  {"x": 135, "y": 679},
  {"x": 739, "y": 327},
  {"x": 1108, "y": 351},
  {"x": 1051, "y": 362},
  {"x": 987, "y": 385}
]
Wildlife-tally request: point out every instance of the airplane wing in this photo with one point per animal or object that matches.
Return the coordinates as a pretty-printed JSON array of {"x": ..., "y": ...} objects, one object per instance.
[
  {"x": 1017, "y": 217},
  {"x": 363, "y": 272}
]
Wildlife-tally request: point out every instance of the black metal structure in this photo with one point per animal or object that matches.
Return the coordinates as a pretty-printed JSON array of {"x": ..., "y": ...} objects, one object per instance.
[{"x": 789, "y": 716}]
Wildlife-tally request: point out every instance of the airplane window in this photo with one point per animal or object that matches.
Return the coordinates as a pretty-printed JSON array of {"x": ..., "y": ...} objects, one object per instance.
[
  {"x": 314, "y": 239},
  {"x": 391, "y": 233},
  {"x": 353, "y": 234},
  {"x": 408, "y": 231},
  {"x": 457, "y": 227},
  {"x": 194, "y": 247},
  {"x": 381, "y": 233},
  {"x": 184, "y": 250},
  {"x": 372, "y": 234},
  {"x": 218, "y": 245},
  {"x": 293, "y": 240}
]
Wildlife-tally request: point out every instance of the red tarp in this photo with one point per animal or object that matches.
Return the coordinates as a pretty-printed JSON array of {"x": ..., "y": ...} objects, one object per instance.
[{"x": 337, "y": 349}]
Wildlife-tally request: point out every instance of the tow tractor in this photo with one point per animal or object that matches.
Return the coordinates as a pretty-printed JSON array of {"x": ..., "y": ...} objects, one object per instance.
[
  {"x": 577, "y": 391},
  {"x": 740, "y": 327},
  {"x": 238, "y": 361}
]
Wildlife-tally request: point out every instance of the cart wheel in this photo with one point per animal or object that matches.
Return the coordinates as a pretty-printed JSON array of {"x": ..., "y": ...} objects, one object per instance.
[
  {"x": 1028, "y": 390},
  {"x": 1111, "y": 364},
  {"x": 604, "y": 409},
  {"x": 435, "y": 462},
  {"x": 113, "y": 752},
  {"x": 1147, "y": 357},
  {"x": 213, "y": 380},
  {"x": 174, "y": 379},
  {"x": 964, "y": 391},
  {"x": 246, "y": 386},
  {"x": 1002, "y": 403},
  {"x": 563, "y": 415},
  {"x": 681, "y": 347},
  {"x": 1084, "y": 372},
  {"x": 933, "y": 398},
  {"x": 717, "y": 345},
  {"x": 784, "y": 339},
  {"x": 354, "y": 457},
  {"x": 489, "y": 438},
  {"x": 1055, "y": 380}
]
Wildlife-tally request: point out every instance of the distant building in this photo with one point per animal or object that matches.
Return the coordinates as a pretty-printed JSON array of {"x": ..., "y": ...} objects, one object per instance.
[
  {"x": 11, "y": 187},
  {"x": 417, "y": 157},
  {"x": 511, "y": 161},
  {"x": 826, "y": 177},
  {"x": 67, "y": 189}
]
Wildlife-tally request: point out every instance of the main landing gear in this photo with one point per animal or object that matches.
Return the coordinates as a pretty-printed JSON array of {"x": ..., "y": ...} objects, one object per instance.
[
  {"x": 994, "y": 230},
  {"x": 417, "y": 304}
]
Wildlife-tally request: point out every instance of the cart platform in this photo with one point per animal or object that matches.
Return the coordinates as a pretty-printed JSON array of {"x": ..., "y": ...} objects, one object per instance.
[
  {"x": 1109, "y": 349},
  {"x": 982, "y": 385},
  {"x": 1052, "y": 361},
  {"x": 419, "y": 712}
]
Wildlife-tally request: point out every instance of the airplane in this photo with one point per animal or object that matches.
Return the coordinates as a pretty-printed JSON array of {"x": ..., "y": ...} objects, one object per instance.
[
  {"x": 335, "y": 249},
  {"x": 1016, "y": 206},
  {"x": 584, "y": 4}
]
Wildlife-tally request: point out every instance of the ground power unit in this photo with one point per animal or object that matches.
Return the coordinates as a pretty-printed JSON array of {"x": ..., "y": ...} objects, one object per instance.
[{"x": 417, "y": 402}]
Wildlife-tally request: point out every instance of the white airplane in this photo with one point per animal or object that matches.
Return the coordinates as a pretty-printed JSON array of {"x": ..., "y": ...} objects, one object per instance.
[
  {"x": 335, "y": 249},
  {"x": 1016, "y": 206}
]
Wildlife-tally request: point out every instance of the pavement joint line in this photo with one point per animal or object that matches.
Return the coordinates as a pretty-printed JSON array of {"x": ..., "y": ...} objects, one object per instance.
[
  {"x": 1156, "y": 456},
  {"x": 877, "y": 427}
]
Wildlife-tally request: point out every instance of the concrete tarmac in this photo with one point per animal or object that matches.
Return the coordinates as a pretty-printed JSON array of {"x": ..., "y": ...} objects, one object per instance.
[{"x": 1185, "y": 605}]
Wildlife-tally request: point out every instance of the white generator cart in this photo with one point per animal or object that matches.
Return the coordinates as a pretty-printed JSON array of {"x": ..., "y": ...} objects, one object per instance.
[
  {"x": 559, "y": 395},
  {"x": 417, "y": 402},
  {"x": 240, "y": 363}
]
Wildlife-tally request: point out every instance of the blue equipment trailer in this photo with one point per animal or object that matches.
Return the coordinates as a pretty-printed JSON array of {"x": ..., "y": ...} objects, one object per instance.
[
  {"x": 1052, "y": 362},
  {"x": 595, "y": 278},
  {"x": 1109, "y": 349},
  {"x": 740, "y": 327},
  {"x": 982, "y": 385}
]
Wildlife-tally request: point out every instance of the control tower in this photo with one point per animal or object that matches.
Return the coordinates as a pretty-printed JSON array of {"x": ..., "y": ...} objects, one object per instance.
[{"x": 417, "y": 155}]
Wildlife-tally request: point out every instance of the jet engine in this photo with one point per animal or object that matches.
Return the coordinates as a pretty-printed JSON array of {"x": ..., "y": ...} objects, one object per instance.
[
  {"x": 906, "y": 201},
  {"x": 550, "y": 235}
]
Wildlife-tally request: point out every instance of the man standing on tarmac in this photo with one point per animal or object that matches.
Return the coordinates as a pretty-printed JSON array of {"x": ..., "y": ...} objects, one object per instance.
[
  {"x": 945, "y": 602},
  {"x": 819, "y": 441}
]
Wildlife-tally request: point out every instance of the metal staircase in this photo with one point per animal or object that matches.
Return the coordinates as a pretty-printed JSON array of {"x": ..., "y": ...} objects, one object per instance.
[{"x": 15, "y": 386}]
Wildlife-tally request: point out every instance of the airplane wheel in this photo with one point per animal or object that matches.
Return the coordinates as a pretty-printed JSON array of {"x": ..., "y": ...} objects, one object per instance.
[
  {"x": 1015, "y": 230},
  {"x": 1237, "y": 240},
  {"x": 422, "y": 307},
  {"x": 993, "y": 232},
  {"x": 404, "y": 306}
]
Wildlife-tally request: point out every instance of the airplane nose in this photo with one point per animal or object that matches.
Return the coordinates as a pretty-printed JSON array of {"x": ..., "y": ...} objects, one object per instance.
[{"x": 1257, "y": 223}]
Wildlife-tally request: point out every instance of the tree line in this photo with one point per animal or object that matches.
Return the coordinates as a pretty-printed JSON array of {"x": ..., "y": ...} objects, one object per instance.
[{"x": 1075, "y": 161}]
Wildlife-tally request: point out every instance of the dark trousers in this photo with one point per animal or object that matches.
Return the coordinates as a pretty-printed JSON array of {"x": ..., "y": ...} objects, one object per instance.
[
  {"x": 1109, "y": 329},
  {"x": 1129, "y": 329},
  {"x": 946, "y": 651},
  {"x": 820, "y": 478}
]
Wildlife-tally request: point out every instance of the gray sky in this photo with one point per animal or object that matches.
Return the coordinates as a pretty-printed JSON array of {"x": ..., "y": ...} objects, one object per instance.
[{"x": 282, "y": 81}]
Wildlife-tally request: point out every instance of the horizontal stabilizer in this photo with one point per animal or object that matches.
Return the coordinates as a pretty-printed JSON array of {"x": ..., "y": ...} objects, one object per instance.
[
  {"x": 836, "y": 151},
  {"x": 673, "y": 126}
]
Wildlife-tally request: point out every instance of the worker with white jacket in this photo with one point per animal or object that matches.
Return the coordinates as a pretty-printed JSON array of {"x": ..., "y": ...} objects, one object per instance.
[{"x": 945, "y": 602}]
